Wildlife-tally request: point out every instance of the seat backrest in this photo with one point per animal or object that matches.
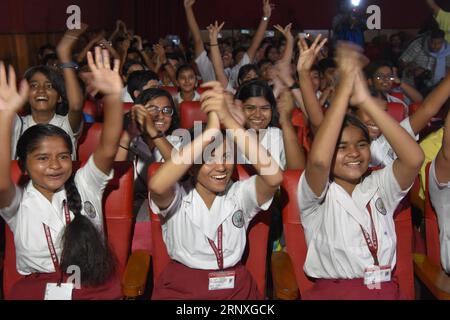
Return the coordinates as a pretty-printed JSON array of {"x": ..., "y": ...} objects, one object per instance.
[
  {"x": 172, "y": 90},
  {"x": 91, "y": 108},
  {"x": 118, "y": 213},
  {"x": 89, "y": 140},
  {"x": 433, "y": 244},
  {"x": 297, "y": 247},
  {"x": 300, "y": 123},
  {"x": 257, "y": 234},
  {"x": 127, "y": 106},
  {"x": 190, "y": 111},
  {"x": 396, "y": 110}
]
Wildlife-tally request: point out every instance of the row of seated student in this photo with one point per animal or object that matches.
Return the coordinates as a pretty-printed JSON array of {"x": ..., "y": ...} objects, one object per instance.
[{"x": 346, "y": 213}]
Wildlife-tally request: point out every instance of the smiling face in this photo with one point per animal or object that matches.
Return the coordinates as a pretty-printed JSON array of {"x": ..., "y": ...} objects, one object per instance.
[
  {"x": 161, "y": 119},
  {"x": 352, "y": 158},
  {"x": 383, "y": 79},
  {"x": 49, "y": 165},
  {"x": 186, "y": 80},
  {"x": 42, "y": 97},
  {"x": 374, "y": 130},
  {"x": 258, "y": 113}
]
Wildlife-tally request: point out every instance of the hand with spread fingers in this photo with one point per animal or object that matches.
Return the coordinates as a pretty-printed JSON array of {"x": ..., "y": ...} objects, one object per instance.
[
  {"x": 308, "y": 55},
  {"x": 11, "y": 100}
]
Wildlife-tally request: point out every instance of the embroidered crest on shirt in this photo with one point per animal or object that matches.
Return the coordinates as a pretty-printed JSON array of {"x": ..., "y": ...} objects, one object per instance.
[
  {"x": 380, "y": 206},
  {"x": 90, "y": 210},
  {"x": 238, "y": 219}
]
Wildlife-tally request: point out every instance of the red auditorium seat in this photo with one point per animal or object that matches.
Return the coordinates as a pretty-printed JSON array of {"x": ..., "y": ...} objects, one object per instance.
[
  {"x": 117, "y": 209},
  {"x": 90, "y": 107},
  {"x": 127, "y": 106},
  {"x": 191, "y": 112},
  {"x": 297, "y": 248},
  {"x": 258, "y": 234},
  {"x": 172, "y": 90},
  {"x": 396, "y": 110},
  {"x": 89, "y": 140}
]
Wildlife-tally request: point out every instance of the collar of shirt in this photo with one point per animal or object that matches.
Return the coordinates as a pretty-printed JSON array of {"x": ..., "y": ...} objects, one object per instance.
[
  {"x": 50, "y": 213},
  {"x": 208, "y": 220},
  {"x": 356, "y": 203}
]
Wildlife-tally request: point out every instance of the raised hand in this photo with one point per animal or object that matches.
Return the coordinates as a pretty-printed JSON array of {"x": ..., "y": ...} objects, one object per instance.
[
  {"x": 213, "y": 101},
  {"x": 308, "y": 55},
  {"x": 189, "y": 3},
  {"x": 361, "y": 91},
  {"x": 10, "y": 100},
  {"x": 214, "y": 30},
  {"x": 285, "y": 106},
  {"x": 68, "y": 41},
  {"x": 268, "y": 8},
  {"x": 139, "y": 42},
  {"x": 103, "y": 77},
  {"x": 236, "y": 108},
  {"x": 160, "y": 52},
  {"x": 286, "y": 31},
  {"x": 144, "y": 120},
  {"x": 349, "y": 58}
]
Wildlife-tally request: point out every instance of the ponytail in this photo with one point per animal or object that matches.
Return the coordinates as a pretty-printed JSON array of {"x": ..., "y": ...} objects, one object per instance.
[{"x": 84, "y": 246}]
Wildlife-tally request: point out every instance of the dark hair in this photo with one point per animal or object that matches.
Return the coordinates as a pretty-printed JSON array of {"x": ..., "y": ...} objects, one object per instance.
[
  {"x": 48, "y": 57},
  {"x": 47, "y": 46},
  {"x": 182, "y": 68},
  {"x": 259, "y": 88},
  {"x": 353, "y": 120},
  {"x": 154, "y": 93},
  {"x": 127, "y": 65},
  {"x": 245, "y": 69},
  {"x": 263, "y": 62},
  {"x": 174, "y": 56},
  {"x": 437, "y": 34},
  {"x": 266, "y": 53},
  {"x": 237, "y": 51},
  {"x": 83, "y": 245},
  {"x": 138, "y": 79},
  {"x": 57, "y": 81},
  {"x": 372, "y": 68},
  {"x": 325, "y": 64}
]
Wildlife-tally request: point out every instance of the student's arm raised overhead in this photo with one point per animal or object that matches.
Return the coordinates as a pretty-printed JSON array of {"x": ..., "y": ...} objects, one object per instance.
[
  {"x": 106, "y": 79},
  {"x": 164, "y": 63},
  {"x": 73, "y": 88},
  {"x": 431, "y": 106},
  {"x": 269, "y": 174},
  {"x": 11, "y": 102},
  {"x": 409, "y": 90},
  {"x": 193, "y": 27},
  {"x": 260, "y": 32},
  {"x": 433, "y": 6},
  {"x": 442, "y": 163},
  {"x": 216, "y": 57},
  {"x": 410, "y": 155},
  {"x": 289, "y": 50},
  {"x": 319, "y": 161},
  {"x": 306, "y": 60}
]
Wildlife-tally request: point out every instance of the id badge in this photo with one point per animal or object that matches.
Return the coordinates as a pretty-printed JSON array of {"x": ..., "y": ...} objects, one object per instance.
[
  {"x": 377, "y": 274},
  {"x": 221, "y": 280},
  {"x": 55, "y": 292}
]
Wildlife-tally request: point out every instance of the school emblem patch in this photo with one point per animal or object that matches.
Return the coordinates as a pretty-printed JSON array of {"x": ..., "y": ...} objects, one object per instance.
[
  {"x": 380, "y": 206},
  {"x": 90, "y": 210},
  {"x": 238, "y": 219}
]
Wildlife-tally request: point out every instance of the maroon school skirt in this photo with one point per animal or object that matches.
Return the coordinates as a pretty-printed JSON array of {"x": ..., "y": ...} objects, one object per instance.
[
  {"x": 179, "y": 282},
  {"x": 352, "y": 289},
  {"x": 32, "y": 287}
]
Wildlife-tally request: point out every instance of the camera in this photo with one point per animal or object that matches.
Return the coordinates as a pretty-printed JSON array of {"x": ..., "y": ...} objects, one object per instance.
[{"x": 173, "y": 39}]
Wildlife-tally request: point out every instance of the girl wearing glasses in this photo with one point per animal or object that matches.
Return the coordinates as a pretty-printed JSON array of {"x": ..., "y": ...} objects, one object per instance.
[{"x": 148, "y": 136}]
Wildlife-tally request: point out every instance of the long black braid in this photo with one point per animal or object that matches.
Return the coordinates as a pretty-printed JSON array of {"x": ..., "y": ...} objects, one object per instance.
[{"x": 83, "y": 245}]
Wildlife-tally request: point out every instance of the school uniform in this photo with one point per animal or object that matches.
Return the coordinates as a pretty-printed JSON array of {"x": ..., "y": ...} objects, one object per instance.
[
  {"x": 381, "y": 151},
  {"x": 30, "y": 211},
  {"x": 440, "y": 195},
  {"x": 273, "y": 142},
  {"x": 178, "y": 99},
  {"x": 187, "y": 224},
  {"x": 21, "y": 124},
  {"x": 338, "y": 253}
]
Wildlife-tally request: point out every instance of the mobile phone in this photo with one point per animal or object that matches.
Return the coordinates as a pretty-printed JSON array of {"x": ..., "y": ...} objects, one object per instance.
[
  {"x": 219, "y": 35},
  {"x": 303, "y": 35},
  {"x": 173, "y": 39},
  {"x": 270, "y": 33}
]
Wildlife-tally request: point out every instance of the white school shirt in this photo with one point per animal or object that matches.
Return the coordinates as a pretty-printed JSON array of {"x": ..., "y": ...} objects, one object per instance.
[
  {"x": 179, "y": 99},
  {"x": 21, "y": 124},
  {"x": 30, "y": 209},
  {"x": 187, "y": 224},
  {"x": 126, "y": 97},
  {"x": 440, "y": 195},
  {"x": 273, "y": 142},
  {"x": 381, "y": 151},
  {"x": 336, "y": 245}
]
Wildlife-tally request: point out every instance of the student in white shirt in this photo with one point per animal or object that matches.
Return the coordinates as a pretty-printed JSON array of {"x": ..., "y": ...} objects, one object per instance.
[
  {"x": 439, "y": 188},
  {"x": 187, "y": 83},
  {"x": 155, "y": 118},
  {"x": 57, "y": 217},
  {"x": 204, "y": 220},
  {"x": 348, "y": 216},
  {"x": 381, "y": 150},
  {"x": 54, "y": 99}
]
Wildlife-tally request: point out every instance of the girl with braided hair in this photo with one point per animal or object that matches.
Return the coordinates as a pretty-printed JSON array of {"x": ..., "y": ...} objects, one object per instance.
[{"x": 57, "y": 217}]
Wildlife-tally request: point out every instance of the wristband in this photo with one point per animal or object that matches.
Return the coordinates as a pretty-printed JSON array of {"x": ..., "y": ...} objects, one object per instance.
[
  {"x": 69, "y": 65},
  {"x": 213, "y": 45}
]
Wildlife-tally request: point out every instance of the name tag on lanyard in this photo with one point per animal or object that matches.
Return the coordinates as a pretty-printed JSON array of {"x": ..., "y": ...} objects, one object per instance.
[
  {"x": 55, "y": 291},
  {"x": 377, "y": 274}
]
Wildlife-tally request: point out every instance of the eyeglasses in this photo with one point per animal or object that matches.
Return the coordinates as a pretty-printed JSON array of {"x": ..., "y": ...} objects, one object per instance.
[
  {"x": 155, "y": 110},
  {"x": 384, "y": 77}
]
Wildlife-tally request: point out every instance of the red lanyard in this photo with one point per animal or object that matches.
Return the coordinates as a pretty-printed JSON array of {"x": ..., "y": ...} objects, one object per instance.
[
  {"x": 48, "y": 236},
  {"x": 372, "y": 244},
  {"x": 218, "y": 250}
]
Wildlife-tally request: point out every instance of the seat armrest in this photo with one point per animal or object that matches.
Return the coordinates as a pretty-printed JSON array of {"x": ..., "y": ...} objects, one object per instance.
[
  {"x": 283, "y": 275},
  {"x": 432, "y": 276},
  {"x": 134, "y": 278}
]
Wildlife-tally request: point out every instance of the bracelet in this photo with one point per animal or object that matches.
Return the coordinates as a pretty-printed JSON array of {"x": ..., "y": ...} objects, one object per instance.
[
  {"x": 213, "y": 45},
  {"x": 124, "y": 147},
  {"x": 159, "y": 135},
  {"x": 69, "y": 65}
]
